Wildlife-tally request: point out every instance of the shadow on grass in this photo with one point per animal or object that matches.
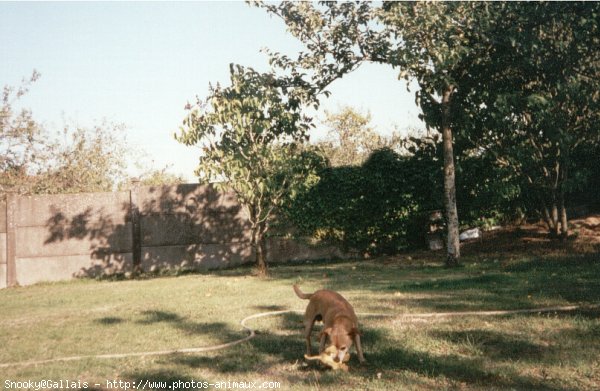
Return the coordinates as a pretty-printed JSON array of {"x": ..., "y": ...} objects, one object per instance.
[
  {"x": 281, "y": 356},
  {"x": 283, "y": 344},
  {"x": 501, "y": 346},
  {"x": 109, "y": 320},
  {"x": 220, "y": 330},
  {"x": 466, "y": 370},
  {"x": 487, "y": 284},
  {"x": 277, "y": 352},
  {"x": 269, "y": 308}
]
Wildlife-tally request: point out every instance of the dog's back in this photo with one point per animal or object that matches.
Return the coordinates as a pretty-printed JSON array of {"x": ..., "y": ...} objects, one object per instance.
[{"x": 327, "y": 303}]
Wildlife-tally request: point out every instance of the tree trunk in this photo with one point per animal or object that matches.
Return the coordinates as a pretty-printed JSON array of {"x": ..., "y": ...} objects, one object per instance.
[
  {"x": 546, "y": 214},
  {"x": 555, "y": 224},
  {"x": 136, "y": 230},
  {"x": 261, "y": 256},
  {"x": 259, "y": 245},
  {"x": 564, "y": 225},
  {"x": 258, "y": 241},
  {"x": 453, "y": 243}
]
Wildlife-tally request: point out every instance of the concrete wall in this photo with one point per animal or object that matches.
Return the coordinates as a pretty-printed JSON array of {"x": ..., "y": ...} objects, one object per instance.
[
  {"x": 3, "y": 277},
  {"x": 192, "y": 225},
  {"x": 49, "y": 238},
  {"x": 63, "y": 236}
]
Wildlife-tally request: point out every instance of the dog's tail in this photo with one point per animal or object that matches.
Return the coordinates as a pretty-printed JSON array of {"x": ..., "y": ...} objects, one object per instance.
[{"x": 300, "y": 294}]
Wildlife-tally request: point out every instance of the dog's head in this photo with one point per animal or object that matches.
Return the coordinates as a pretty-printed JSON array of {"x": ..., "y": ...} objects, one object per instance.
[{"x": 342, "y": 340}]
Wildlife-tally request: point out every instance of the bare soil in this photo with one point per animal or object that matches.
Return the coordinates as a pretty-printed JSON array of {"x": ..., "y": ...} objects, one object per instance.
[{"x": 534, "y": 239}]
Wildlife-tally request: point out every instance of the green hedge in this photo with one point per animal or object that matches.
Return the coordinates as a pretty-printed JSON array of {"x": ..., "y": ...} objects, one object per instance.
[
  {"x": 369, "y": 208},
  {"x": 383, "y": 206}
]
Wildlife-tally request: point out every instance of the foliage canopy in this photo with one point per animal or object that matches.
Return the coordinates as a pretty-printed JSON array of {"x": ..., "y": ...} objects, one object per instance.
[{"x": 250, "y": 134}]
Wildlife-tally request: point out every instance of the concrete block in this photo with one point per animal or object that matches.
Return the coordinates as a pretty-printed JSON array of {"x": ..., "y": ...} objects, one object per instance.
[
  {"x": 2, "y": 275},
  {"x": 2, "y": 248},
  {"x": 90, "y": 240},
  {"x": 199, "y": 256},
  {"x": 180, "y": 229},
  {"x": 72, "y": 211},
  {"x": 186, "y": 198},
  {"x": 33, "y": 270},
  {"x": 2, "y": 217}
]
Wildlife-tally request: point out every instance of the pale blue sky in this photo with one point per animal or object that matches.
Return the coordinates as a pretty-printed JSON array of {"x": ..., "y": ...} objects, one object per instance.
[{"x": 139, "y": 63}]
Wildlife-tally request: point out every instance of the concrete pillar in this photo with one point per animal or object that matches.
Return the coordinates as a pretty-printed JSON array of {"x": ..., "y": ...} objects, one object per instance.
[
  {"x": 11, "y": 240},
  {"x": 136, "y": 230}
]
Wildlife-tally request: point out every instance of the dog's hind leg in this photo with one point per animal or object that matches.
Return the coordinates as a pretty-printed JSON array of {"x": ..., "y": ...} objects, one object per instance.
[{"x": 308, "y": 325}]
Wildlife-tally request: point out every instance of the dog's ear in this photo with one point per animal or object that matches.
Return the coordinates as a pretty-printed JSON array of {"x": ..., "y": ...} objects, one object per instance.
[
  {"x": 354, "y": 332},
  {"x": 326, "y": 331}
]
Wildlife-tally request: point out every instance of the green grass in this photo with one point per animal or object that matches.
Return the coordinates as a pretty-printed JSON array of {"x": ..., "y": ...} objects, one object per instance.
[{"x": 557, "y": 351}]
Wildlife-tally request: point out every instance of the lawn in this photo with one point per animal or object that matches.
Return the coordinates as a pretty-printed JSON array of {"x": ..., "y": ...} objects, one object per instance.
[{"x": 535, "y": 351}]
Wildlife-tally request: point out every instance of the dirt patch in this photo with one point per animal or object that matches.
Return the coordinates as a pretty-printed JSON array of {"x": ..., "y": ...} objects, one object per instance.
[
  {"x": 588, "y": 228},
  {"x": 534, "y": 239}
]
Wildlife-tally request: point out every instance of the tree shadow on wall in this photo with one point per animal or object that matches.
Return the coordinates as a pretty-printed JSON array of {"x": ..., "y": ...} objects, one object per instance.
[{"x": 184, "y": 226}]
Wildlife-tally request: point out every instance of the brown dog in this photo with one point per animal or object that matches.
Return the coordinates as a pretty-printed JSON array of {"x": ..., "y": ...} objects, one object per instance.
[{"x": 339, "y": 322}]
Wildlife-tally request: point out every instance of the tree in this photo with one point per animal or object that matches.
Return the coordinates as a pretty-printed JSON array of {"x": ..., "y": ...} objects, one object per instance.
[
  {"x": 526, "y": 78},
  {"x": 420, "y": 38},
  {"x": 338, "y": 39},
  {"x": 35, "y": 160},
  {"x": 23, "y": 145},
  {"x": 542, "y": 82},
  {"x": 160, "y": 177},
  {"x": 439, "y": 44},
  {"x": 526, "y": 70},
  {"x": 249, "y": 134},
  {"x": 88, "y": 160},
  {"x": 149, "y": 175},
  {"x": 351, "y": 138}
]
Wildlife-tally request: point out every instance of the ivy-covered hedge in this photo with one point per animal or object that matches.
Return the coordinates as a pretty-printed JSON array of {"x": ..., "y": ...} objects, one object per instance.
[
  {"x": 383, "y": 206},
  {"x": 372, "y": 207}
]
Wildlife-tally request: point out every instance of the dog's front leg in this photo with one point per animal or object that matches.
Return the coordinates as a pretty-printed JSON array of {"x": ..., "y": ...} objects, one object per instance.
[{"x": 359, "y": 351}]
